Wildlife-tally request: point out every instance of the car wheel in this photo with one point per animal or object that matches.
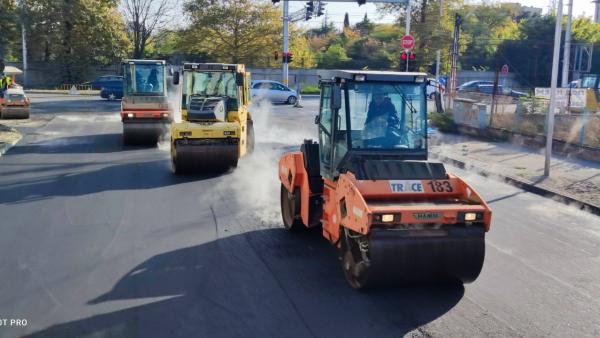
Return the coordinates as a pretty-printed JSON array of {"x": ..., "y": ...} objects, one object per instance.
[
  {"x": 112, "y": 96},
  {"x": 292, "y": 100}
]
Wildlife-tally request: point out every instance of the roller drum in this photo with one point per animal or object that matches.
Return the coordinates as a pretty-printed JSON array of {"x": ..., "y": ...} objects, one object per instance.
[
  {"x": 451, "y": 254},
  {"x": 14, "y": 113},
  {"x": 143, "y": 132},
  {"x": 203, "y": 156}
]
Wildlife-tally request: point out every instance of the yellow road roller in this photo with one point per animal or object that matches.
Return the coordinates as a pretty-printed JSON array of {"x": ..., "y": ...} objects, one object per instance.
[{"x": 215, "y": 128}]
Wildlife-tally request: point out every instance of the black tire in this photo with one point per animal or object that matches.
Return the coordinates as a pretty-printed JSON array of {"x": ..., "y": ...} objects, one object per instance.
[
  {"x": 250, "y": 137},
  {"x": 292, "y": 100},
  {"x": 290, "y": 209},
  {"x": 355, "y": 269}
]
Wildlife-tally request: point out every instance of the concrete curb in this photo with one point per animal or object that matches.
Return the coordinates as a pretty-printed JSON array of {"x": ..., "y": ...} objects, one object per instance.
[
  {"x": 524, "y": 184},
  {"x": 4, "y": 146}
]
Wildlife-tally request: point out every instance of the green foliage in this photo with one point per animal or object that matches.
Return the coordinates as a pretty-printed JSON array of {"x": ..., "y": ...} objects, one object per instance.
[
  {"x": 8, "y": 30},
  {"x": 444, "y": 122},
  {"x": 77, "y": 34},
  {"x": 311, "y": 90},
  {"x": 236, "y": 31},
  {"x": 333, "y": 57}
]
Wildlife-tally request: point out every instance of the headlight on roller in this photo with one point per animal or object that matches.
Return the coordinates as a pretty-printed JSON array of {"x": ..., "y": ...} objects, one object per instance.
[
  {"x": 470, "y": 217},
  {"x": 130, "y": 115},
  {"x": 387, "y": 218}
]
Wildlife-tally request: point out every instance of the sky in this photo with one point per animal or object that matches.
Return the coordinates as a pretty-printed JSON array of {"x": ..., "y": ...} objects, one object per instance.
[{"x": 336, "y": 11}]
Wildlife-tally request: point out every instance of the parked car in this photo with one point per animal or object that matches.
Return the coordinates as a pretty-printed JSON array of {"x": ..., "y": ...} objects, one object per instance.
[
  {"x": 273, "y": 91},
  {"x": 101, "y": 81},
  {"x": 112, "y": 90},
  {"x": 501, "y": 90},
  {"x": 471, "y": 86}
]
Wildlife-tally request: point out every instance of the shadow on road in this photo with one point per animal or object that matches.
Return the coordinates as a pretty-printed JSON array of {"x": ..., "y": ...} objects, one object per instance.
[
  {"x": 82, "y": 144},
  {"x": 128, "y": 176},
  {"x": 266, "y": 283},
  {"x": 84, "y": 105}
]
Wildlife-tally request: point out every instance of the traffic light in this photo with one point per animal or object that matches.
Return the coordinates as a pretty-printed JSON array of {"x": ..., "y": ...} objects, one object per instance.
[
  {"x": 361, "y": 2},
  {"x": 310, "y": 9},
  {"x": 404, "y": 56},
  {"x": 411, "y": 56},
  {"x": 320, "y": 8},
  {"x": 276, "y": 55},
  {"x": 290, "y": 57},
  {"x": 275, "y": 1}
]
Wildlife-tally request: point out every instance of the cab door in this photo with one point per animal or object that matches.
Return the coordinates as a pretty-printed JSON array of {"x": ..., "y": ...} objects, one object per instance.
[{"x": 325, "y": 129}]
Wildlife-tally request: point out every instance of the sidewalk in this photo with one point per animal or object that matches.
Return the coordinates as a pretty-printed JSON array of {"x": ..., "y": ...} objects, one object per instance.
[{"x": 571, "y": 180}]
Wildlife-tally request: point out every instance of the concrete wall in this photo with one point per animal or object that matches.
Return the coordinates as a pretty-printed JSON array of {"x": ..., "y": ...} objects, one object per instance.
[{"x": 50, "y": 75}]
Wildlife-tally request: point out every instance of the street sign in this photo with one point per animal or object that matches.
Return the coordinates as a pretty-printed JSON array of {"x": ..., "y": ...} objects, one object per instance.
[
  {"x": 504, "y": 70},
  {"x": 407, "y": 42}
]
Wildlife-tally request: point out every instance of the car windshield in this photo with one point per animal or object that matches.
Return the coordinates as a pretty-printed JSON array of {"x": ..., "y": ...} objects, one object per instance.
[
  {"x": 144, "y": 79},
  {"x": 387, "y": 115}
]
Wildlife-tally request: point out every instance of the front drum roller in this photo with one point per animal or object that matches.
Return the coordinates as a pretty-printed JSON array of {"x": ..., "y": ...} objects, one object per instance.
[
  {"x": 392, "y": 257},
  {"x": 199, "y": 157}
]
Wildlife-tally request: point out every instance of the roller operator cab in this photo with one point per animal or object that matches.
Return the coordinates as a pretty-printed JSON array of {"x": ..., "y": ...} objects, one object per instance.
[
  {"x": 216, "y": 128},
  {"x": 394, "y": 216},
  {"x": 145, "y": 109}
]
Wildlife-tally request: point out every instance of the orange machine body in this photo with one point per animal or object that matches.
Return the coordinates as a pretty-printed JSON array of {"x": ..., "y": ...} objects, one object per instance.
[{"x": 359, "y": 204}]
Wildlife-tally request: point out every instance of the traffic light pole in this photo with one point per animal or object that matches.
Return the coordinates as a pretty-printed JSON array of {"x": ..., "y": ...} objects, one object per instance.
[
  {"x": 408, "y": 16},
  {"x": 286, "y": 40}
]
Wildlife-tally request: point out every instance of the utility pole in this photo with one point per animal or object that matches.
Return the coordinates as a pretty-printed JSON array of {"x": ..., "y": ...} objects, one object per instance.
[
  {"x": 438, "y": 53},
  {"x": 286, "y": 39},
  {"x": 457, "y": 23},
  {"x": 552, "y": 108},
  {"x": 567, "y": 51},
  {"x": 408, "y": 16},
  {"x": 23, "y": 42}
]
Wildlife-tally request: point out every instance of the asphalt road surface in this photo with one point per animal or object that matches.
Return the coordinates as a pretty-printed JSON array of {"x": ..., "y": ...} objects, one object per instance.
[{"x": 101, "y": 240}]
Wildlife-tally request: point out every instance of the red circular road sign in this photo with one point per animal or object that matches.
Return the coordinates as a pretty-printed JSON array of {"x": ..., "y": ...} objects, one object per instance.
[
  {"x": 407, "y": 42},
  {"x": 504, "y": 70}
]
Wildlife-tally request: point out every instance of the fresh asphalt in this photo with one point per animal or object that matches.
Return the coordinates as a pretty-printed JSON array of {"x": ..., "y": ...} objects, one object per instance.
[{"x": 102, "y": 240}]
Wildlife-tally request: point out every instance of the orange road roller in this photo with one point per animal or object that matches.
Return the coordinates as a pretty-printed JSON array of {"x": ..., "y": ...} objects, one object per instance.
[{"x": 395, "y": 217}]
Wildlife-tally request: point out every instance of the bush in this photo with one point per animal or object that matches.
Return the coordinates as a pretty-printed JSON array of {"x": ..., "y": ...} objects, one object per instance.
[
  {"x": 310, "y": 90},
  {"x": 442, "y": 121}
]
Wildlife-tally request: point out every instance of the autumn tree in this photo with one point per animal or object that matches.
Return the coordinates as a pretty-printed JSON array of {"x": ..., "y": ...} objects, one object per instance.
[{"x": 236, "y": 31}]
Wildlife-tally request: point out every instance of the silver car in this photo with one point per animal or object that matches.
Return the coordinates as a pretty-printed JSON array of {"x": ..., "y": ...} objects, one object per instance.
[{"x": 273, "y": 91}]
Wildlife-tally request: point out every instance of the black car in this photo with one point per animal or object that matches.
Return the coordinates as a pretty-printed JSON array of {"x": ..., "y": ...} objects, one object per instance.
[{"x": 103, "y": 81}]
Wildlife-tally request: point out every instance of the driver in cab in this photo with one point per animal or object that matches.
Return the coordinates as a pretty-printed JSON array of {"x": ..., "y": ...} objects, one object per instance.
[{"x": 381, "y": 119}]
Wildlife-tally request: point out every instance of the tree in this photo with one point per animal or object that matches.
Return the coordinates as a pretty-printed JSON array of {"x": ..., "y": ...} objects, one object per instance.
[
  {"x": 143, "y": 18},
  {"x": 365, "y": 26},
  {"x": 346, "y": 21},
  {"x": 237, "y": 31},
  {"x": 335, "y": 56},
  {"x": 8, "y": 29},
  {"x": 76, "y": 34}
]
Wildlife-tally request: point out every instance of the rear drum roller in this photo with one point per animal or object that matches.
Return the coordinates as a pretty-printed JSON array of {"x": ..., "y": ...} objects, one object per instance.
[{"x": 290, "y": 209}]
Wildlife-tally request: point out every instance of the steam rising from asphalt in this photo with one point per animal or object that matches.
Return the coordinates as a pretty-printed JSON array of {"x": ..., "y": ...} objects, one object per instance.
[{"x": 254, "y": 184}]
